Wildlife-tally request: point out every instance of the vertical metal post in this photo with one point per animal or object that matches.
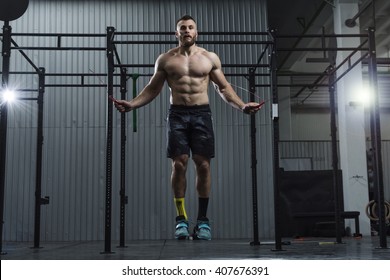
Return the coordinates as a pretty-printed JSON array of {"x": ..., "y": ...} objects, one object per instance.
[
  {"x": 275, "y": 118},
  {"x": 333, "y": 133},
  {"x": 135, "y": 77},
  {"x": 110, "y": 91},
  {"x": 6, "y": 53},
  {"x": 38, "y": 171},
  {"x": 376, "y": 138},
  {"x": 252, "y": 89},
  {"x": 122, "y": 193}
]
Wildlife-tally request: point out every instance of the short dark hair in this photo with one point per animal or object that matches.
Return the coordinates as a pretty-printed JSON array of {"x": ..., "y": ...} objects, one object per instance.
[{"x": 185, "y": 17}]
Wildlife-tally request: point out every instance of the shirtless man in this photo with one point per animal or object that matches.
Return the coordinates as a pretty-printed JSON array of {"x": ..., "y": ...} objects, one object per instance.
[{"x": 188, "y": 70}]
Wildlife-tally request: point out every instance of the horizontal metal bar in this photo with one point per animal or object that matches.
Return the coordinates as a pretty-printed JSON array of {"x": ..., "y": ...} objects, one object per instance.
[
  {"x": 244, "y": 75},
  {"x": 295, "y": 85},
  {"x": 60, "y": 48},
  {"x": 223, "y": 65},
  {"x": 117, "y": 86},
  {"x": 156, "y": 42},
  {"x": 298, "y": 74},
  {"x": 115, "y": 75},
  {"x": 27, "y": 98},
  {"x": 27, "y": 90},
  {"x": 282, "y": 36},
  {"x": 78, "y": 85},
  {"x": 200, "y": 33},
  {"x": 319, "y": 49},
  {"x": 59, "y": 34},
  {"x": 379, "y": 61},
  {"x": 71, "y": 74}
]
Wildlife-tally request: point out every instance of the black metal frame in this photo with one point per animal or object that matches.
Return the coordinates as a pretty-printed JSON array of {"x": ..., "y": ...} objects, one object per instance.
[
  {"x": 6, "y": 53},
  {"x": 111, "y": 51},
  {"x": 330, "y": 74},
  {"x": 250, "y": 76}
]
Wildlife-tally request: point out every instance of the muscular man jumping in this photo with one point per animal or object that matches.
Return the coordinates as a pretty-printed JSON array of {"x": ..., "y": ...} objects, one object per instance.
[{"x": 188, "y": 69}]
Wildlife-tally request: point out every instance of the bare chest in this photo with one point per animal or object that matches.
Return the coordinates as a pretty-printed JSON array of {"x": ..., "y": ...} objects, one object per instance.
[{"x": 194, "y": 66}]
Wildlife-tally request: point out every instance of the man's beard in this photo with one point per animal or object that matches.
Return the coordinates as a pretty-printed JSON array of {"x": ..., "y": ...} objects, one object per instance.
[{"x": 186, "y": 43}]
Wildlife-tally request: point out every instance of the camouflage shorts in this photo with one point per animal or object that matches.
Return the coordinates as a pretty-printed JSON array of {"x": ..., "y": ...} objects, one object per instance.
[{"x": 190, "y": 129}]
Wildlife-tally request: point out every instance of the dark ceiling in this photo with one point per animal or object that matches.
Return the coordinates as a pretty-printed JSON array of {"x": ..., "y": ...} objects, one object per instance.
[{"x": 303, "y": 17}]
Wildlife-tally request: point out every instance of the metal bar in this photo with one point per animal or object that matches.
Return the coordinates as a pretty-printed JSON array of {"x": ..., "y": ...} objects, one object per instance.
[
  {"x": 79, "y": 85},
  {"x": 115, "y": 75},
  {"x": 276, "y": 164},
  {"x": 6, "y": 53},
  {"x": 60, "y": 49},
  {"x": 347, "y": 59},
  {"x": 317, "y": 81},
  {"x": 117, "y": 57},
  {"x": 110, "y": 87},
  {"x": 352, "y": 21},
  {"x": 335, "y": 159},
  {"x": 59, "y": 34},
  {"x": 247, "y": 65},
  {"x": 252, "y": 90},
  {"x": 38, "y": 174},
  {"x": 62, "y": 74},
  {"x": 351, "y": 67},
  {"x": 200, "y": 33},
  {"x": 245, "y": 75},
  {"x": 299, "y": 74},
  {"x": 159, "y": 42},
  {"x": 320, "y": 79},
  {"x": 122, "y": 192},
  {"x": 320, "y": 49},
  {"x": 135, "y": 77},
  {"x": 133, "y": 33},
  {"x": 285, "y": 36},
  {"x": 28, "y": 99},
  {"x": 376, "y": 140},
  {"x": 26, "y": 57},
  {"x": 292, "y": 85},
  {"x": 300, "y": 36}
]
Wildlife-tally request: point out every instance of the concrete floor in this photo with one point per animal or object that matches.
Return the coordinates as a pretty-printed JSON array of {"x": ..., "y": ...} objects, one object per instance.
[{"x": 366, "y": 248}]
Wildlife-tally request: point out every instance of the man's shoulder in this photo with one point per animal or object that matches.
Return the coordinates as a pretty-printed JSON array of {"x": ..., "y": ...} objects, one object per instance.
[
  {"x": 163, "y": 57},
  {"x": 168, "y": 54},
  {"x": 171, "y": 52},
  {"x": 207, "y": 53},
  {"x": 212, "y": 56}
]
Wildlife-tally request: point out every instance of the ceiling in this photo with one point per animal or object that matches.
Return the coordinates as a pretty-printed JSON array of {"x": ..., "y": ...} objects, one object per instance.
[{"x": 303, "y": 17}]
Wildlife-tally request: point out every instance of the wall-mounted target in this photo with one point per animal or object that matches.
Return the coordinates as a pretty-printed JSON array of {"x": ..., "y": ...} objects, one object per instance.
[{"x": 12, "y": 9}]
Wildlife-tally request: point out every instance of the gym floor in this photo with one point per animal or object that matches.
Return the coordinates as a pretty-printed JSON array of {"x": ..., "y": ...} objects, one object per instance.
[{"x": 366, "y": 248}]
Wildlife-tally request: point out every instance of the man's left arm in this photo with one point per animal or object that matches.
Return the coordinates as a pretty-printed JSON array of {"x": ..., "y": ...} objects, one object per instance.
[{"x": 226, "y": 91}]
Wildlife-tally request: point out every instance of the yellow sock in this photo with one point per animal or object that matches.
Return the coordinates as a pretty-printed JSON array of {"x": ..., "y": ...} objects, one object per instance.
[{"x": 180, "y": 207}]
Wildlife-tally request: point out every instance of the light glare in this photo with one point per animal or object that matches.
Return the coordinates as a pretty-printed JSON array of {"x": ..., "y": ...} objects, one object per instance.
[
  {"x": 9, "y": 96},
  {"x": 364, "y": 96}
]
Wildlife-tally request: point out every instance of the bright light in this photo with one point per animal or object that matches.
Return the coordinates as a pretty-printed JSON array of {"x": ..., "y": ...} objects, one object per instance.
[
  {"x": 362, "y": 96},
  {"x": 9, "y": 96}
]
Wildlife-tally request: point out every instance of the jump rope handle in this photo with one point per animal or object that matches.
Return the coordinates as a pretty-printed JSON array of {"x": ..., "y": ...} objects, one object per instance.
[
  {"x": 260, "y": 104},
  {"x": 112, "y": 99}
]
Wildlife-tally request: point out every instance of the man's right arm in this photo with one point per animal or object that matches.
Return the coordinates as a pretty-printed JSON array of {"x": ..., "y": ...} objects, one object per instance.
[{"x": 150, "y": 91}]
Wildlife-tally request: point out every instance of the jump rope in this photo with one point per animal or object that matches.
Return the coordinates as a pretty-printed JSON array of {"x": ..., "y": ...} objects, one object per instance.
[{"x": 261, "y": 103}]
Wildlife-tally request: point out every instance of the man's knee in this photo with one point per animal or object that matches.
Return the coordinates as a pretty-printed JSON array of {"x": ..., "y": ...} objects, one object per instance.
[
  {"x": 179, "y": 163},
  {"x": 202, "y": 164}
]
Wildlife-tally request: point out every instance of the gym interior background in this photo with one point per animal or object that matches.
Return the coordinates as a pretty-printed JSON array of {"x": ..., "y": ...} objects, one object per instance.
[{"x": 74, "y": 166}]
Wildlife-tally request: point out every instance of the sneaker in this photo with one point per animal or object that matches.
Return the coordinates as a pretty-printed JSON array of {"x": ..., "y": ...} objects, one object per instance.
[
  {"x": 181, "y": 231},
  {"x": 202, "y": 229}
]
